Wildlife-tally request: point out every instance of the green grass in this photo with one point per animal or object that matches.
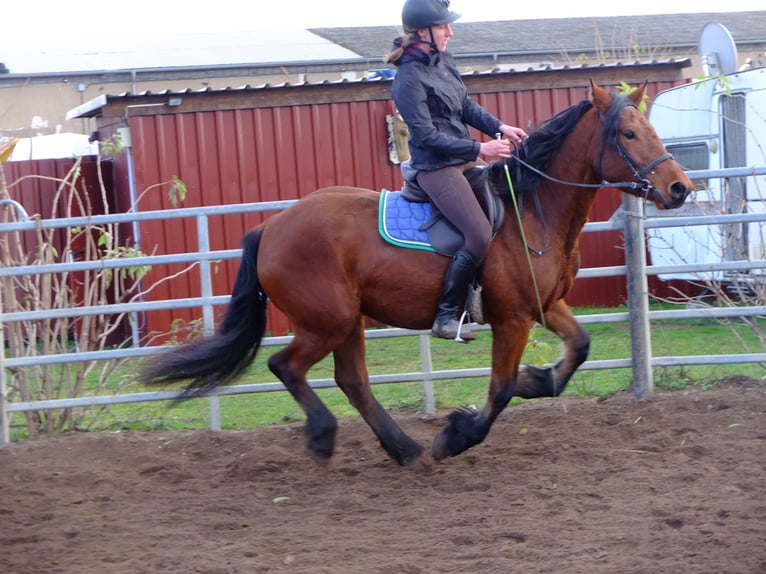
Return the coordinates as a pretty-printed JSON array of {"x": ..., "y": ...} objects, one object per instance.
[{"x": 401, "y": 355}]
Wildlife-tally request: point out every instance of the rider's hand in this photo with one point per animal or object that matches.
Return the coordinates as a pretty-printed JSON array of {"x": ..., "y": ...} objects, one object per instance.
[
  {"x": 514, "y": 134},
  {"x": 502, "y": 147},
  {"x": 496, "y": 148}
]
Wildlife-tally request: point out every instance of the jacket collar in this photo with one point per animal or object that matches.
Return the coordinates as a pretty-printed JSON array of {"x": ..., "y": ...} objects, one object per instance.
[{"x": 414, "y": 53}]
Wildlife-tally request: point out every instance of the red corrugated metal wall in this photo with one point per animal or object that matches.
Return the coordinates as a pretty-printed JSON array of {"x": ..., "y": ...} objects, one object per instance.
[
  {"x": 239, "y": 156},
  {"x": 44, "y": 189},
  {"x": 277, "y": 152}
]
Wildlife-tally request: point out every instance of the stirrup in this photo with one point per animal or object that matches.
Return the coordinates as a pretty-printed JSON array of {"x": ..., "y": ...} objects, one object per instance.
[{"x": 458, "y": 331}]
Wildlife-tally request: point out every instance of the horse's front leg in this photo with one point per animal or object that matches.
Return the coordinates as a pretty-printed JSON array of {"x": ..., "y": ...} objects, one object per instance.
[
  {"x": 466, "y": 428},
  {"x": 534, "y": 382}
]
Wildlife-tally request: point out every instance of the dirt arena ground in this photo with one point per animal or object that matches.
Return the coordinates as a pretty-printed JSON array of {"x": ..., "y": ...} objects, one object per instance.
[{"x": 675, "y": 483}]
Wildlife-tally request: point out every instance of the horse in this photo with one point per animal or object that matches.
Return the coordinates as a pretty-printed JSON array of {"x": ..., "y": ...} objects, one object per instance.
[{"x": 324, "y": 265}]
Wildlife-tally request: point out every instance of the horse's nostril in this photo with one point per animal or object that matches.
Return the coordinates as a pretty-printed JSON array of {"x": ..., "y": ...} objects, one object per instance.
[
  {"x": 678, "y": 190},
  {"x": 678, "y": 193}
]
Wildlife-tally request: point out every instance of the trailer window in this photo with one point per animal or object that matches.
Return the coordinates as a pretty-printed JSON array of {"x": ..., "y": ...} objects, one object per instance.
[
  {"x": 734, "y": 130},
  {"x": 691, "y": 156}
]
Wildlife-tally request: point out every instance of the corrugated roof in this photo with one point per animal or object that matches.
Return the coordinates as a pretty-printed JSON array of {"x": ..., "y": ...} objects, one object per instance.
[
  {"x": 566, "y": 35},
  {"x": 92, "y": 107}
]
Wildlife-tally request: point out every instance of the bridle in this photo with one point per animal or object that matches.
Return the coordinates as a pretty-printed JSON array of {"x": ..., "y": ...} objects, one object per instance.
[{"x": 641, "y": 188}]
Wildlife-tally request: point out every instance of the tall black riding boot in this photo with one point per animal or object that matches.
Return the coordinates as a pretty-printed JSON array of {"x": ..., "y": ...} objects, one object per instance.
[{"x": 460, "y": 274}]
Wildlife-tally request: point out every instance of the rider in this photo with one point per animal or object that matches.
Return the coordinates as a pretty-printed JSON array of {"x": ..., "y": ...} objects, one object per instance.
[{"x": 434, "y": 103}]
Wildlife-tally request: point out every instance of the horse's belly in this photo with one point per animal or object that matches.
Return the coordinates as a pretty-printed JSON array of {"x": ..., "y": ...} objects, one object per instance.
[{"x": 324, "y": 257}]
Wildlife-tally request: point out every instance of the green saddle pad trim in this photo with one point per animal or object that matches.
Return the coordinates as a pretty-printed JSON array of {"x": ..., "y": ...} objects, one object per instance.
[{"x": 386, "y": 235}]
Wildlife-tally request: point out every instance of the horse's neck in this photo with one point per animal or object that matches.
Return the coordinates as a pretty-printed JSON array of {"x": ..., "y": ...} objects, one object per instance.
[
  {"x": 569, "y": 205},
  {"x": 567, "y": 213}
]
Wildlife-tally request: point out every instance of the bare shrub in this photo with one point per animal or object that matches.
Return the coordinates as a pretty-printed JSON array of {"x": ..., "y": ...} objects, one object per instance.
[{"x": 67, "y": 289}]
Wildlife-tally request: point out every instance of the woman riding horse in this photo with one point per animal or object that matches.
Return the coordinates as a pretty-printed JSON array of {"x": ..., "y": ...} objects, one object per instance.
[
  {"x": 323, "y": 263},
  {"x": 434, "y": 103}
]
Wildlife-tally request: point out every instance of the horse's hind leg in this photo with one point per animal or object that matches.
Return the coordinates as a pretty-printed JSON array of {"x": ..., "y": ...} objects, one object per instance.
[
  {"x": 352, "y": 377},
  {"x": 533, "y": 382},
  {"x": 290, "y": 365}
]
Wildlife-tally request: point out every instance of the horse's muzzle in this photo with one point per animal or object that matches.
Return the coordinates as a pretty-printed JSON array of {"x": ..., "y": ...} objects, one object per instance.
[{"x": 677, "y": 194}]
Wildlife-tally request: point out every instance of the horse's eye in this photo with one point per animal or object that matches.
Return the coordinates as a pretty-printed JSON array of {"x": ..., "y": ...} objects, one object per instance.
[{"x": 629, "y": 135}]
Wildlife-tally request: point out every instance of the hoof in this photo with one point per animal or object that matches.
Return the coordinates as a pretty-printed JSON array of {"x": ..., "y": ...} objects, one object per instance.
[
  {"x": 407, "y": 456},
  {"x": 461, "y": 433},
  {"x": 423, "y": 463},
  {"x": 321, "y": 452},
  {"x": 439, "y": 448},
  {"x": 535, "y": 382},
  {"x": 321, "y": 441}
]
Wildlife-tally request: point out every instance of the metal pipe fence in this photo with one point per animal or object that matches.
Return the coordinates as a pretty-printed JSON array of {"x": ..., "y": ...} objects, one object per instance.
[{"x": 624, "y": 220}]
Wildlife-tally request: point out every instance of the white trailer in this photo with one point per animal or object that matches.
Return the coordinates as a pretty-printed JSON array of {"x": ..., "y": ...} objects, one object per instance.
[{"x": 712, "y": 124}]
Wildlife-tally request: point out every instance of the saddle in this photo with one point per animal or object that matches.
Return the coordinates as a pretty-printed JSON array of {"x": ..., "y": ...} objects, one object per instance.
[{"x": 407, "y": 218}]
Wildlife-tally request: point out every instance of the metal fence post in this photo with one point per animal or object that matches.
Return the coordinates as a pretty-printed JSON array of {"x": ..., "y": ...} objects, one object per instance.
[
  {"x": 5, "y": 415},
  {"x": 205, "y": 277},
  {"x": 5, "y": 424},
  {"x": 208, "y": 317},
  {"x": 426, "y": 365},
  {"x": 638, "y": 296},
  {"x": 215, "y": 412}
]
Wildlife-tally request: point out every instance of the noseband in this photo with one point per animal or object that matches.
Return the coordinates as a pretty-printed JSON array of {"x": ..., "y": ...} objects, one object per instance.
[{"x": 642, "y": 187}]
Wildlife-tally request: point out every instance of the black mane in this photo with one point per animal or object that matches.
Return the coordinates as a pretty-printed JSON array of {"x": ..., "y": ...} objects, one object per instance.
[{"x": 544, "y": 142}]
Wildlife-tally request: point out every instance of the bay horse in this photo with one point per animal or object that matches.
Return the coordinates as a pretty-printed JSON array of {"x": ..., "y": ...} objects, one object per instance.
[{"x": 323, "y": 263}]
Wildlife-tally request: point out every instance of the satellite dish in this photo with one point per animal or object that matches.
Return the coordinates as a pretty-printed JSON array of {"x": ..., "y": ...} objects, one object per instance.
[{"x": 718, "y": 53}]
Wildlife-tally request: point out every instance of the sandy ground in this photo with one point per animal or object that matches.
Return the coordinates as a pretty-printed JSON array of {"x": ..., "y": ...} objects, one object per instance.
[{"x": 675, "y": 483}]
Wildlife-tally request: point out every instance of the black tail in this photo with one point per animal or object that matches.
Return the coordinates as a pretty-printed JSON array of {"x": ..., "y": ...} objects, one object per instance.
[{"x": 220, "y": 358}]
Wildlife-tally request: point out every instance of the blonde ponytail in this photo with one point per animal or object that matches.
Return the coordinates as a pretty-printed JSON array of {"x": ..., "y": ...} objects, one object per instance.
[{"x": 401, "y": 44}]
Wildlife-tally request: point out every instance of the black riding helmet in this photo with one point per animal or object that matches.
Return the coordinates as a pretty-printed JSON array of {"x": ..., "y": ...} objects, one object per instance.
[{"x": 418, "y": 14}]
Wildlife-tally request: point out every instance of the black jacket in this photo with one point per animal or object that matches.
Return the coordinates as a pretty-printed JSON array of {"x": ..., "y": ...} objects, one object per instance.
[{"x": 434, "y": 103}]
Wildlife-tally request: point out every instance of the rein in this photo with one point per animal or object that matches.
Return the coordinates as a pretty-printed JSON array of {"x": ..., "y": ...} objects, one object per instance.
[
  {"x": 526, "y": 245},
  {"x": 641, "y": 188}
]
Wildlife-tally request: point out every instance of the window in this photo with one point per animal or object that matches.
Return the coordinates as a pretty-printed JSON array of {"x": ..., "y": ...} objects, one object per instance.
[{"x": 691, "y": 156}]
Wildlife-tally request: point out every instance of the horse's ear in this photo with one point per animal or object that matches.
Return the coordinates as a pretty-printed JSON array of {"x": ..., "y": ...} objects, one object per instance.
[
  {"x": 637, "y": 95},
  {"x": 600, "y": 97}
]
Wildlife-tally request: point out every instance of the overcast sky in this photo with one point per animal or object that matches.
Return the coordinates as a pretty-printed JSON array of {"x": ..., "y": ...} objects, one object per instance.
[
  {"x": 52, "y": 21},
  {"x": 56, "y": 35}
]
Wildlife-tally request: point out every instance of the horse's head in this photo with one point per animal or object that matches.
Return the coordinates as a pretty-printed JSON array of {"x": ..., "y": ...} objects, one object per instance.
[{"x": 632, "y": 152}]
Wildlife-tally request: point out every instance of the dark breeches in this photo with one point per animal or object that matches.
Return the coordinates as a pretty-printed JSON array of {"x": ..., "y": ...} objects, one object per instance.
[{"x": 452, "y": 194}]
